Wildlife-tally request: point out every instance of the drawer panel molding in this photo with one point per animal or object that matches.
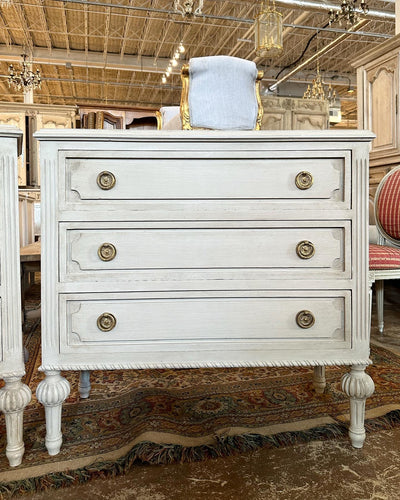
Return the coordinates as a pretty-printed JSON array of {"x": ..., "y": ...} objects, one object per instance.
[
  {"x": 147, "y": 323},
  {"x": 100, "y": 253}
]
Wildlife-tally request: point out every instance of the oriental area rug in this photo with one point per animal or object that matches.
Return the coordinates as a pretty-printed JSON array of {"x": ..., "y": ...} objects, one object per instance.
[{"x": 163, "y": 416}]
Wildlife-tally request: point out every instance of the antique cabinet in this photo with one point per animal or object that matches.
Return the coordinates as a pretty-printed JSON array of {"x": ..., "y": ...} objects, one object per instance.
[
  {"x": 377, "y": 105},
  {"x": 108, "y": 117},
  {"x": 14, "y": 395},
  {"x": 292, "y": 113},
  {"x": 203, "y": 248},
  {"x": 29, "y": 118},
  {"x": 16, "y": 118}
]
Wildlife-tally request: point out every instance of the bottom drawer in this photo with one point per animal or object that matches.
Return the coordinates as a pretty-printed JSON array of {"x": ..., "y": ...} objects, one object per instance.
[{"x": 220, "y": 321}]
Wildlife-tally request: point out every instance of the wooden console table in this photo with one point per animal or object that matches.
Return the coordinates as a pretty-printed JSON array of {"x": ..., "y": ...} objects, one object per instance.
[{"x": 204, "y": 248}]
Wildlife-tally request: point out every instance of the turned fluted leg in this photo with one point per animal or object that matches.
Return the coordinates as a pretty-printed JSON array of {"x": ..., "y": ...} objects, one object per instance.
[
  {"x": 84, "y": 384},
  {"x": 52, "y": 392},
  {"x": 319, "y": 379},
  {"x": 379, "y": 287},
  {"x": 14, "y": 396},
  {"x": 358, "y": 386}
]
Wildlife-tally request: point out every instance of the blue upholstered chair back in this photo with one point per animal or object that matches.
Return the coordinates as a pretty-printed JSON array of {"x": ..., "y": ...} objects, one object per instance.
[{"x": 221, "y": 92}]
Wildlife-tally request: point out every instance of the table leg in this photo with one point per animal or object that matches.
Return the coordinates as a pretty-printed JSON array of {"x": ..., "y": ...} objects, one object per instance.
[
  {"x": 319, "y": 379},
  {"x": 14, "y": 396},
  {"x": 84, "y": 384},
  {"x": 52, "y": 392},
  {"x": 358, "y": 386}
]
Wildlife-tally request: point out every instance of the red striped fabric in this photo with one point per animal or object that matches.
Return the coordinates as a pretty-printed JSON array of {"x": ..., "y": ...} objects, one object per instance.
[
  {"x": 383, "y": 257},
  {"x": 388, "y": 205}
]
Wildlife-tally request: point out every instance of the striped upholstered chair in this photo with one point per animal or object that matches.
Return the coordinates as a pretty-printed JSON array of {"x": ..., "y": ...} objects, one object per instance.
[{"x": 384, "y": 257}]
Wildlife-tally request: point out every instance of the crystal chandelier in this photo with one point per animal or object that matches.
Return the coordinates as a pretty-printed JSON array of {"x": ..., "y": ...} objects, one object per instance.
[
  {"x": 348, "y": 12},
  {"x": 187, "y": 7},
  {"x": 25, "y": 79},
  {"x": 317, "y": 90},
  {"x": 268, "y": 30}
]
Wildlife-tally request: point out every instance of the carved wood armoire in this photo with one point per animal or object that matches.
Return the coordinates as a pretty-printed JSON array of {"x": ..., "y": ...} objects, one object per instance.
[
  {"x": 378, "y": 103},
  {"x": 294, "y": 113},
  {"x": 29, "y": 118}
]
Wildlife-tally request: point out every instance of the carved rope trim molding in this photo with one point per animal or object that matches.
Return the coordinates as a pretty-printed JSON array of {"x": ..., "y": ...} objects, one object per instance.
[
  {"x": 143, "y": 366},
  {"x": 7, "y": 374}
]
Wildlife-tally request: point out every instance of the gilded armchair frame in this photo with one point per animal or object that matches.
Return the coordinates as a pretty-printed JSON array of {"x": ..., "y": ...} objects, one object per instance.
[
  {"x": 185, "y": 115},
  {"x": 159, "y": 120}
]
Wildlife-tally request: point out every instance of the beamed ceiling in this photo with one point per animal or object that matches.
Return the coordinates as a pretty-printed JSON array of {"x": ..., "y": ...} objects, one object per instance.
[{"x": 114, "y": 52}]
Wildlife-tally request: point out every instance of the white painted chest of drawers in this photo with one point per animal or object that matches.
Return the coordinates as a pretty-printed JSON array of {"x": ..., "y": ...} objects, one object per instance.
[
  {"x": 14, "y": 396},
  {"x": 186, "y": 249}
]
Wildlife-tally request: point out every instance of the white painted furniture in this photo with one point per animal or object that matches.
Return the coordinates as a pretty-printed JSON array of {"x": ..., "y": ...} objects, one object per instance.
[
  {"x": 14, "y": 396},
  {"x": 204, "y": 248}
]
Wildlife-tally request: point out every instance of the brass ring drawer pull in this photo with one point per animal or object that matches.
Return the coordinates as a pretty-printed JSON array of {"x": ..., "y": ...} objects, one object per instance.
[
  {"x": 107, "y": 252},
  {"x": 106, "y": 180},
  {"x": 304, "y": 180},
  {"x": 106, "y": 322},
  {"x": 305, "y": 249},
  {"x": 305, "y": 319}
]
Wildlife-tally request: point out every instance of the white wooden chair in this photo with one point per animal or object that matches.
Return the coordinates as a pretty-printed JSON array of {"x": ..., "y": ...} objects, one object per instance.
[
  {"x": 221, "y": 93},
  {"x": 384, "y": 257}
]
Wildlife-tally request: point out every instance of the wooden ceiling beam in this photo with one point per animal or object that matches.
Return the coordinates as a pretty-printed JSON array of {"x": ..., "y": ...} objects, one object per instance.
[
  {"x": 205, "y": 34},
  {"x": 234, "y": 32},
  {"x": 106, "y": 34},
  {"x": 6, "y": 91},
  {"x": 43, "y": 19},
  {"x": 65, "y": 26},
  {"x": 6, "y": 31},
  {"x": 86, "y": 35},
  {"x": 127, "y": 30},
  {"x": 25, "y": 27}
]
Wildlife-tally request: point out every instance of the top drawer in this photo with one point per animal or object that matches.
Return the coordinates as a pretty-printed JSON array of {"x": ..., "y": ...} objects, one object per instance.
[{"x": 311, "y": 182}]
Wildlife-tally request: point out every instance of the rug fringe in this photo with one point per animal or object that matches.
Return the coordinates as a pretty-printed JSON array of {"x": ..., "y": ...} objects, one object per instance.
[
  {"x": 387, "y": 421},
  {"x": 148, "y": 452}
]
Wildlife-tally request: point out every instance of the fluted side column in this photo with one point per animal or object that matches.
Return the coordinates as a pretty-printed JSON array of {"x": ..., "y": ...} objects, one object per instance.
[
  {"x": 52, "y": 392},
  {"x": 358, "y": 386},
  {"x": 14, "y": 396}
]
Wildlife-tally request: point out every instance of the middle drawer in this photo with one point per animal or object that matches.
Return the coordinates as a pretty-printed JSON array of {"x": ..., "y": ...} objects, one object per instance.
[{"x": 96, "y": 252}]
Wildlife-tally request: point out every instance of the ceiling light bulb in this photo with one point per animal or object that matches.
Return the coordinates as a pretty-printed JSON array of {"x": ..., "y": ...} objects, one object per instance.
[
  {"x": 174, "y": 62},
  {"x": 176, "y": 55},
  {"x": 167, "y": 73},
  {"x": 164, "y": 79},
  {"x": 181, "y": 48}
]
